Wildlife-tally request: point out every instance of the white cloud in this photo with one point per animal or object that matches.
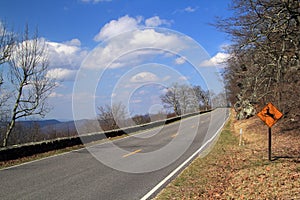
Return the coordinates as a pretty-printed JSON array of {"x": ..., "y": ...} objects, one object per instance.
[
  {"x": 62, "y": 48},
  {"x": 19, "y": 48},
  {"x": 166, "y": 78},
  {"x": 73, "y": 42},
  {"x": 156, "y": 21},
  {"x": 183, "y": 78},
  {"x": 132, "y": 48},
  {"x": 190, "y": 9},
  {"x": 218, "y": 60},
  {"x": 67, "y": 54},
  {"x": 152, "y": 38},
  {"x": 144, "y": 77},
  {"x": 61, "y": 74},
  {"x": 116, "y": 27},
  {"x": 224, "y": 47},
  {"x": 55, "y": 95},
  {"x": 64, "y": 58},
  {"x": 127, "y": 23},
  {"x": 180, "y": 60}
]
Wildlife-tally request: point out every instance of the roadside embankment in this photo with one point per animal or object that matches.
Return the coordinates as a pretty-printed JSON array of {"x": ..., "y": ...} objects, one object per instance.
[{"x": 234, "y": 171}]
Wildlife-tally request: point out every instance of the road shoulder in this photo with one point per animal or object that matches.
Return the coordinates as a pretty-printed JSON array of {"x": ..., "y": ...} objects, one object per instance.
[{"x": 234, "y": 171}]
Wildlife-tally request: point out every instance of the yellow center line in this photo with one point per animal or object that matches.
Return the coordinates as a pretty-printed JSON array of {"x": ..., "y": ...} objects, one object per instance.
[
  {"x": 131, "y": 153},
  {"x": 174, "y": 135}
]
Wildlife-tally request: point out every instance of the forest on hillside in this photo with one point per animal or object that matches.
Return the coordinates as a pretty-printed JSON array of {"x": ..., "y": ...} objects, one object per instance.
[{"x": 264, "y": 58}]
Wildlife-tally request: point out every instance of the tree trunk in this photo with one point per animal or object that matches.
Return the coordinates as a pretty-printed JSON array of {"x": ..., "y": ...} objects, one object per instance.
[
  {"x": 8, "y": 132},
  {"x": 14, "y": 113}
]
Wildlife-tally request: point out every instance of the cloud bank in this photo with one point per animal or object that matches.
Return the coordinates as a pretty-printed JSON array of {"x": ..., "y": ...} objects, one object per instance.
[
  {"x": 131, "y": 48},
  {"x": 127, "y": 23}
]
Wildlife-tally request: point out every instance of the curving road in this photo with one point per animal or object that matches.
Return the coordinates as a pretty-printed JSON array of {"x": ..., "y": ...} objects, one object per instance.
[{"x": 135, "y": 167}]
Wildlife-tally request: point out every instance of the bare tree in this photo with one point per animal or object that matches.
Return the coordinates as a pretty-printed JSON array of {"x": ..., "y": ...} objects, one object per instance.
[
  {"x": 264, "y": 65},
  {"x": 185, "y": 99},
  {"x": 188, "y": 99},
  {"x": 7, "y": 41},
  {"x": 112, "y": 117},
  {"x": 220, "y": 100},
  {"x": 28, "y": 68},
  {"x": 141, "y": 119},
  {"x": 203, "y": 97},
  {"x": 171, "y": 98}
]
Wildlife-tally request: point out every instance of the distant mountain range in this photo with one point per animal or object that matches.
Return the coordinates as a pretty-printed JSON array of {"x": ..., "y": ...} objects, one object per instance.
[
  {"x": 40, "y": 123},
  {"x": 66, "y": 128},
  {"x": 59, "y": 128}
]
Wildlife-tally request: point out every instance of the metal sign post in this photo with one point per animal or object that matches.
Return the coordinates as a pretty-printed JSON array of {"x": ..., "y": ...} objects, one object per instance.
[
  {"x": 241, "y": 137},
  {"x": 270, "y": 115},
  {"x": 270, "y": 144}
]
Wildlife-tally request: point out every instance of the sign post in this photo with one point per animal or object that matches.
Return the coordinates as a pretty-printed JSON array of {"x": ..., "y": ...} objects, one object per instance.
[
  {"x": 270, "y": 115},
  {"x": 270, "y": 143}
]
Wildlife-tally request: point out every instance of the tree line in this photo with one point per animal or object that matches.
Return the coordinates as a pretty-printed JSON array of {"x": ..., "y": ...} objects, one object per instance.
[
  {"x": 185, "y": 99},
  {"x": 178, "y": 99},
  {"x": 264, "y": 63}
]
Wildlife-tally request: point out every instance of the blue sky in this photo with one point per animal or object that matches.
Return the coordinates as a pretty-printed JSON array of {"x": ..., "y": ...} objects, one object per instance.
[{"x": 75, "y": 29}]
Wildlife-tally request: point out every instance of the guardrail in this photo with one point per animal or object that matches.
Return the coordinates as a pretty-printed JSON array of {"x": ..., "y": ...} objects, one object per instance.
[{"x": 29, "y": 149}]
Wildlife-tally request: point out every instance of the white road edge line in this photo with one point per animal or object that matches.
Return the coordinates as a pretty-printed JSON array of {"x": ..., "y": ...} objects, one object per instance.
[{"x": 153, "y": 190}]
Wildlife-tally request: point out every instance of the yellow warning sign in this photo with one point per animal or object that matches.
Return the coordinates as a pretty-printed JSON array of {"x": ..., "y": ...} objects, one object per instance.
[{"x": 269, "y": 114}]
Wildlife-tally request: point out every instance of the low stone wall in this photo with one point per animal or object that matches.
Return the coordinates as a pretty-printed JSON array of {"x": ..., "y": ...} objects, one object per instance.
[{"x": 29, "y": 149}]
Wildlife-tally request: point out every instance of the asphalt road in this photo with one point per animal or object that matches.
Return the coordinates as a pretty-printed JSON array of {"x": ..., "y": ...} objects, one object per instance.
[{"x": 136, "y": 167}]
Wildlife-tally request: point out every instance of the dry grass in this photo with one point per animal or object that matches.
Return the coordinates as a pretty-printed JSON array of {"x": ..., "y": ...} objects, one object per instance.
[{"x": 231, "y": 171}]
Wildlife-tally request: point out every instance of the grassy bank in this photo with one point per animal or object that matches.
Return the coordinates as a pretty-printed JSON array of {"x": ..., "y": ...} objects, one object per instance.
[{"x": 231, "y": 171}]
